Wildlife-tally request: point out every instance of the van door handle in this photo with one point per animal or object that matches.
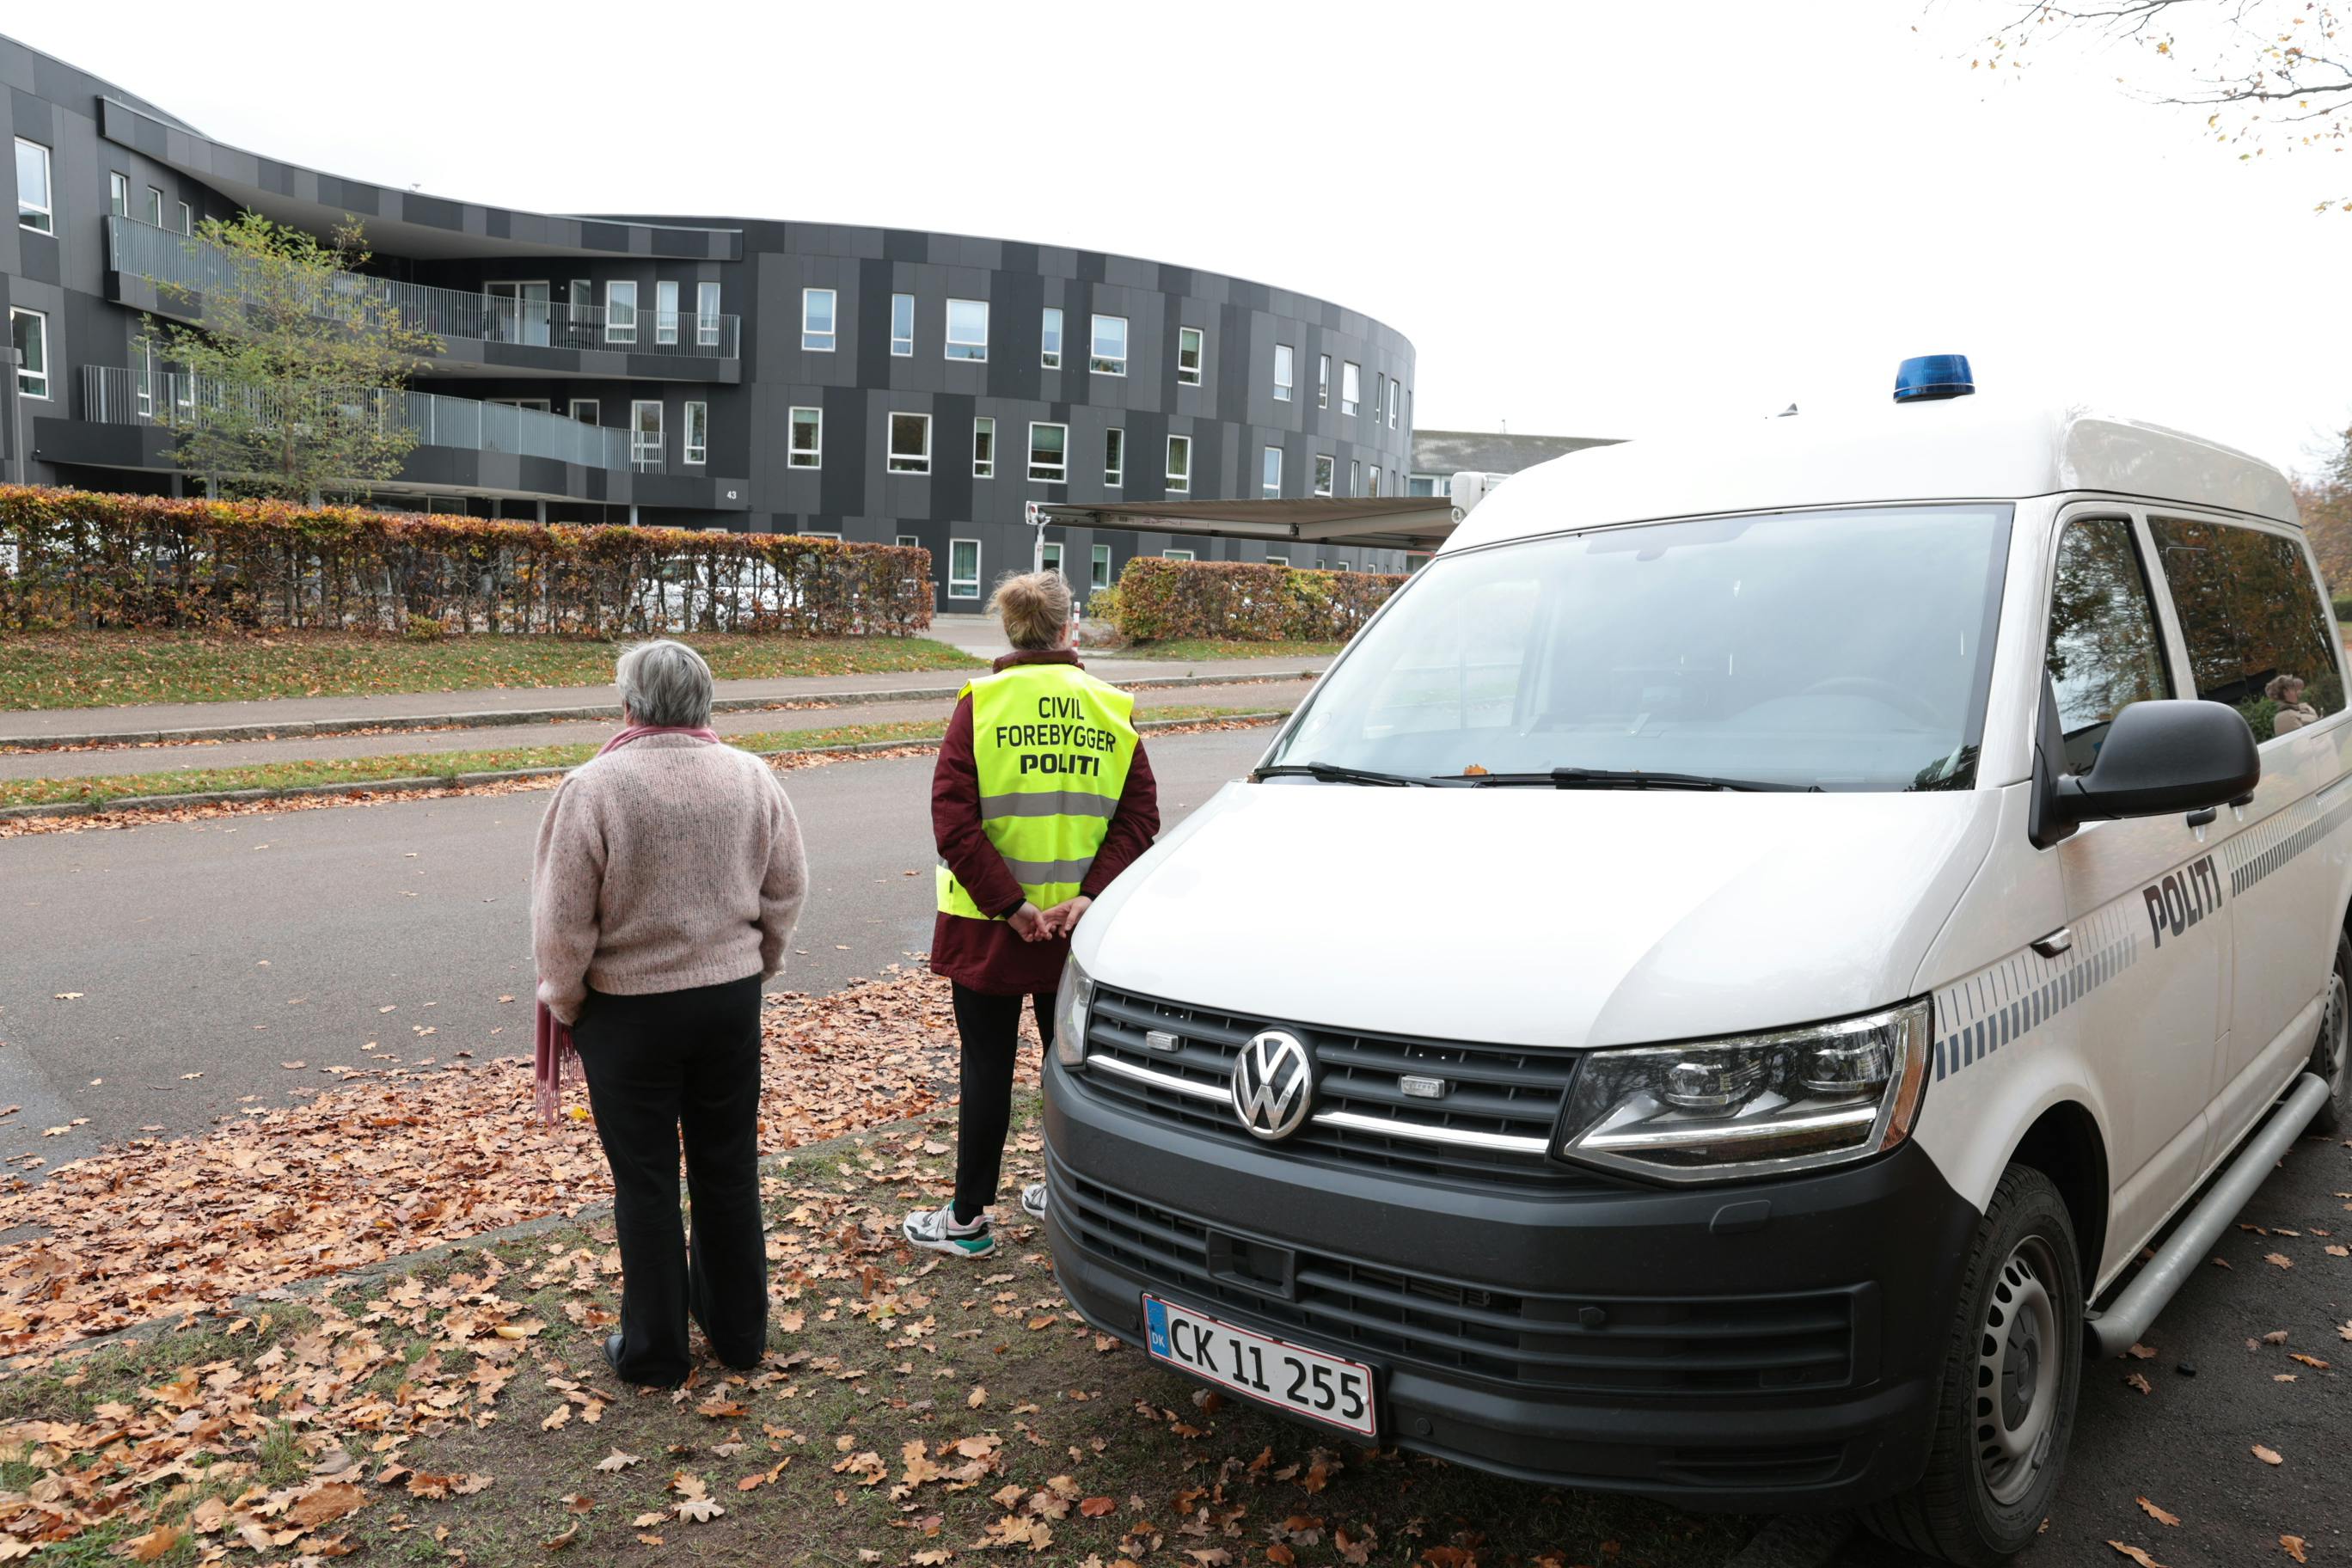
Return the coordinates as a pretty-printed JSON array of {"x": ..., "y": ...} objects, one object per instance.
[
  {"x": 2199, "y": 818},
  {"x": 2057, "y": 941}
]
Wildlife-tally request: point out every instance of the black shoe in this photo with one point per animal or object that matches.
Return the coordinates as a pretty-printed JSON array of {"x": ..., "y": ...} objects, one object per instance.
[{"x": 613, "y": 1355}]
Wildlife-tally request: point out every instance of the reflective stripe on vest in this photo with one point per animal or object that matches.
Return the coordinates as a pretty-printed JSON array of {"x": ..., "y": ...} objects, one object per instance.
[{"x": 1052, "y": 746}]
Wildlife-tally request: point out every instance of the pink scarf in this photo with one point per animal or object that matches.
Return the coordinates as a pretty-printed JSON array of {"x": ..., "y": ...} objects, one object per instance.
[{"x": 552, "y": 1057}]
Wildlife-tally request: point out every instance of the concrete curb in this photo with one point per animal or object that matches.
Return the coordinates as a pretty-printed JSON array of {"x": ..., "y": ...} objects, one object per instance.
[
  {"x": 486, "y": 719},
  {"x": 464, "y": 781}
]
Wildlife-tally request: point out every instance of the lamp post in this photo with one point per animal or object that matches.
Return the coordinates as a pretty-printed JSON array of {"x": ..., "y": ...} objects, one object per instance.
[{"x": 1036, "y": 519}]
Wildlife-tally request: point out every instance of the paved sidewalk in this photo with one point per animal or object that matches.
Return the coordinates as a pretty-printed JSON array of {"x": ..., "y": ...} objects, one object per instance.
[{"x": 534, "y": 704}]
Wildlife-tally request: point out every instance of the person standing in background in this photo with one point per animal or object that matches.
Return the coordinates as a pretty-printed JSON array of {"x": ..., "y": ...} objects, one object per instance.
[{"x": 1041, "y": 795}]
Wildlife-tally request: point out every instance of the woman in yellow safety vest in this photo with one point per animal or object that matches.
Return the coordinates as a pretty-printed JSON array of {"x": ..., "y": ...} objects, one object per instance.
[{"x": 1041, "y": 797}]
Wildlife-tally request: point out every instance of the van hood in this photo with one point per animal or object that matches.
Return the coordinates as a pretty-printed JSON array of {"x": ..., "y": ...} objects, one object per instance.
[{"x": 1538, "y": 917}]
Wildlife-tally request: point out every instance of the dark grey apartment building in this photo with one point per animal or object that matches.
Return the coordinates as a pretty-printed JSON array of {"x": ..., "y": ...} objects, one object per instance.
[{"x": 703, "y": 371}]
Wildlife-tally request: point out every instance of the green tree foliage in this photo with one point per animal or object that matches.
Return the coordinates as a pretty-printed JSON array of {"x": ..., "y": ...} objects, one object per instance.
[
  {"x": 295, "y": 368},
  {"x": 2325, "y": 502}
]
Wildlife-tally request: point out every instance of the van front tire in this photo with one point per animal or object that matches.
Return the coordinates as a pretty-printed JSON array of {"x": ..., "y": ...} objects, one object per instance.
[
  {"x": 2005, "y": 1407},
  {"x": 2331, "y": 1054}
]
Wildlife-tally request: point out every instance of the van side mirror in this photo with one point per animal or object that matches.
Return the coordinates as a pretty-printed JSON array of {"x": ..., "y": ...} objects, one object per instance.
[{"x": 2162, "y": 756}]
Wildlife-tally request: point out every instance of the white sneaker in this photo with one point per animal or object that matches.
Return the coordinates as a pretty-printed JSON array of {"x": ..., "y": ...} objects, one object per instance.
[
  {"x": 1033, "y": 1201},
  {"x": 936, "y": 1230}
]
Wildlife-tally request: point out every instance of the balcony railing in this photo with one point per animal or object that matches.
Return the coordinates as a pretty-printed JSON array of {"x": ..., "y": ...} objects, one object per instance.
[
  {"x": 187, "y": 265},
  {"x": 111, "y": 396}
]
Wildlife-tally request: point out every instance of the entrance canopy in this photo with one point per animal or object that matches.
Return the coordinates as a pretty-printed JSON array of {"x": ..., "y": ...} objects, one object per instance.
[{"x": 1419, "y": 523}]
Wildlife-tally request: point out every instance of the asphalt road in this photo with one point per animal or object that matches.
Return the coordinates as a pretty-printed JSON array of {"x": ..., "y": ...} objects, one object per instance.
[{"x": 228, "y": 947}]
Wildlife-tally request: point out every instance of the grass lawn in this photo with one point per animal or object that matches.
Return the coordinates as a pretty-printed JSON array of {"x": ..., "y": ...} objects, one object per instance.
[
  {"x": 92, "y": 670},
  {"x": 1196, "y": 649},
  {"x": 911, "y": 1410},
  {"x": 295, "y": 775}
]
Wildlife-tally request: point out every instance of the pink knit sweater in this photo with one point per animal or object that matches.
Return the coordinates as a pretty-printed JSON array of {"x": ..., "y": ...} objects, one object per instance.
[{"x": 666, "y": 865}]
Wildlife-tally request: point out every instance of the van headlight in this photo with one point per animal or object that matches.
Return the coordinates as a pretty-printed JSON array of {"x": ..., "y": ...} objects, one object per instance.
[
  {"x": 1752, "y": 1106},
  {"x": 1071, "y": 1002}
]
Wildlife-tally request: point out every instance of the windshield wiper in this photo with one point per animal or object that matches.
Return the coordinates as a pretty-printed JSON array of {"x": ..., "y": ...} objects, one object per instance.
[
  {"x": 1332, "y": 773},
  {"x": 1629, "y": 778}
]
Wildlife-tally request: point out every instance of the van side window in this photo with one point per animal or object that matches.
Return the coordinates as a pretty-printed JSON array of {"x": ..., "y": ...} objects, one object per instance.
[
  {"x": 2104, "y": 653},
  {"x": 2252, "y": 616}
]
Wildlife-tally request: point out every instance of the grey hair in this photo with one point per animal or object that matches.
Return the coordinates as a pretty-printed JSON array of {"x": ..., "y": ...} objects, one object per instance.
[{"x": 666, "y": 683}]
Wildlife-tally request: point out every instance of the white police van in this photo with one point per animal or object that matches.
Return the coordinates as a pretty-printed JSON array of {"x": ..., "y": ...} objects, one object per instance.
[{"x": 1716, "y": 990}]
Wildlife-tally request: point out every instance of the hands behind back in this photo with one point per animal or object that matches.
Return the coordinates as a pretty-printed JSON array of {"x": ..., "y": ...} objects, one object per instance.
[{"x": 1048, "y": 925}]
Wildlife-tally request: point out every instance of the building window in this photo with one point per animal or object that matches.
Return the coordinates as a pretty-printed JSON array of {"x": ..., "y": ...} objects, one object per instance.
[
  {"x": 1427, "y": 485},
  {"x": 983, "y": 447},
  {"x": 902, "y": 325},
  {"x": 808, "y": 438},
  {"x": 1273, "y": 559},
  {"x": 583, "y": 300},
  {"x": 1180, "y": 465},
  {"x": 968, "y": 329},
  {"x": 1049, "y": 552},
  {"x": 154, "y": 201},
  {"x": 1281, "y": 373},
  {"x": 911, "y": 443},
  {"x": 1380, "y": 396},
  {"x": 30, "y": 329},
  {"x": 1323, "y": 466},
  {"x": 586, "y": 410},
  {"x": 1188, "y": 356},
  {"x": 698, "y": 433},
  {"x": 1110, "y": 346},
  {"x": 1050, "y": 353},
  {"x": 706, "y": 315},
  {"x": 1343, "y": 566},
  {"x": 1101, "y": 573},
  {"x": 1375, "y": 490},
  {"x": 665, "y": 312},
  {"x": 1322, "y": 381},
  {"x": 1178, "y": 556},
  {"x": 187, "y": 219},
  {"x": 906, "y": 540},
  {"x": 963, "y": 568},
  {"x": 1049, "y": 452},
  {"x": 646, "y": 433},
  {"x": 1270, "y": 481},
  {"x": 621, "y": 312},
  {"x": 1351, "y": 386},
  {"x": 33, "y": 188},
  {"x": 1396, "y": 400},
  {"x": 1114, "y": 457},
  {"x": 117, "y": 194},
  {"x": 816, "y": 319},
  {"x": 1355, "y": 476},
  {"x": 143, "y": 375}
]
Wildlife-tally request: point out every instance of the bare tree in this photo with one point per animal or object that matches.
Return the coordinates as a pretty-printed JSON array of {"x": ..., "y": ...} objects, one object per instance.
[{"x": 2267, "y": 73}]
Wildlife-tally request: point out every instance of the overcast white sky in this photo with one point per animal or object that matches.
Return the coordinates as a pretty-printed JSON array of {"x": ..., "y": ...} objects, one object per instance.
[{"x": 1589, "y": 218}]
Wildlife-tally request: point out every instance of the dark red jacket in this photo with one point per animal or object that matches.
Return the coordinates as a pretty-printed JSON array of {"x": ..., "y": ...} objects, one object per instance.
[{"x": 988, "y": 955}]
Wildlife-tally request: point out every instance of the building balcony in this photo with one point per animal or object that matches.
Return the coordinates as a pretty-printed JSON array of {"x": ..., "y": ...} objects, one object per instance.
[{"x": 167, "y": 273}]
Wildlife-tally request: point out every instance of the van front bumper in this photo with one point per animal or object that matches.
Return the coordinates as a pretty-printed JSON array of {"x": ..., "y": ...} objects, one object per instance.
[{"x": 1774, "y": 1345}]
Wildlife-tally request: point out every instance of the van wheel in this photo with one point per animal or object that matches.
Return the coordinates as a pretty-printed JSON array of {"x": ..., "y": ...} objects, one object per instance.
[
  {"x": 2331, "y": 1054},
  {"x": 2005, "y": 1409}
]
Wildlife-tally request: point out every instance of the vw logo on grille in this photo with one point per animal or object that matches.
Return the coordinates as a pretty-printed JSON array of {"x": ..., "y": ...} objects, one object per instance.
[{"x": 1273, "y": 1084}]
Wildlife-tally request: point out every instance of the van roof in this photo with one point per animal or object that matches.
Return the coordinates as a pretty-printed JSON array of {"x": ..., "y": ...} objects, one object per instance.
[{"x": 1963, "y": 448}]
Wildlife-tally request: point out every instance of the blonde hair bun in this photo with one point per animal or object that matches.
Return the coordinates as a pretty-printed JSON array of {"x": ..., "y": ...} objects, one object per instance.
[{"x": 1034, "y": 607}]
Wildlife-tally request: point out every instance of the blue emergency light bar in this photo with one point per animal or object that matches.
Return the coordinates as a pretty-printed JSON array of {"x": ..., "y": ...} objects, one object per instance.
[{"x": 1923, "y": 378}]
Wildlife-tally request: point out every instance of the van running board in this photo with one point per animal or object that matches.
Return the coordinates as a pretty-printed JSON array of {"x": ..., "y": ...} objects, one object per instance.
[{"x": 2116, "y": 1330}]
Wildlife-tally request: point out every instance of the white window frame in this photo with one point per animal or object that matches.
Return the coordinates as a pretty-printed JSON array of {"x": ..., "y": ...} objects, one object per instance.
[
  {"x": 963, "y": 587},
  {"x": 187, "y": 219},
  {"x": 1396, "y": 397},
  {"x": 1269, "y": 490},
  {"x": 1174, "y": 554},
  {"x": 45, "y": 210},
  {"x": 1343, "y": 566},
  {"x": 1098, "y": 568},
  {"x": 975, "y": 352},
  {"x": 892, "y": 459},
  {"x": 1115, "y": 457},
  {"x": 1351, "y": 386},
  {"x": 614, "y": 332},
  {"x": 906, "y": 540},
  {"x": 794, "y": 454},
  {"x": 1051, "y": 322},
  {"x": 706, "y": 315},
  {"x": 983, "y": 464},
  {"x": 833, "y": 314},
  {"x": 1286, "y": 371},
  {"x": 1355, "y": 476},
  {"x": 1373, "y": 493},
  {"x": 1050, "y": 552},
  {"x": 154, "y": 203},
  {"x": 32, "y": 383},
  {"x": 832, "y": 533},
  {"x": 1094, "y": 360},
  {"x": 595, "y": 408},
  {"x": 118, "y": 192},
  {"x": 665, "y": 311},
  {"x": 1180, "y": 481},
  {"x": 1322, "y": 381},
  {"x": 1190, "y": 377},
  {"x": 1062, "y": 476},
  {"x": 637, "y": 436},
  {"x": 1327, "y": 468},
  {"x": 698, "y": 424},
  {"x": 582, "y": 298},
  {"x": 902, "y": 311},
  {"x": 1273, "y": 559}
]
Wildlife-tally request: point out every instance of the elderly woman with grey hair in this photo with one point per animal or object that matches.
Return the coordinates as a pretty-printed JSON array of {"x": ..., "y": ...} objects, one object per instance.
[{"x": 667, "y": 876}]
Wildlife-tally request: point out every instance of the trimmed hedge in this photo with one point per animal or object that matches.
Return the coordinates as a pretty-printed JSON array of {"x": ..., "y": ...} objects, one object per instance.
[
  {"x": 1160, "y": 600},
  {"x": 84, "y": 559}
]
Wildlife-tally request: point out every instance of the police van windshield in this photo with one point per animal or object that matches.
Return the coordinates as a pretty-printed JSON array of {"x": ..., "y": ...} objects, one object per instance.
[{"x": 1842, "y": 650}]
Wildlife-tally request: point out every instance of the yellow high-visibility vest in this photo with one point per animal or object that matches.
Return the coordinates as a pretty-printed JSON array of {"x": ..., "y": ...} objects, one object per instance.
[{"x": 1052, "y": 746}]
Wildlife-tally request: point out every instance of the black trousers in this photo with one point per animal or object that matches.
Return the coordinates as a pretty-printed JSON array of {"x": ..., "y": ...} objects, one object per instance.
[
  {"x": 990, "y": 1030},
  {"x": 657, "y": 1065}
]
